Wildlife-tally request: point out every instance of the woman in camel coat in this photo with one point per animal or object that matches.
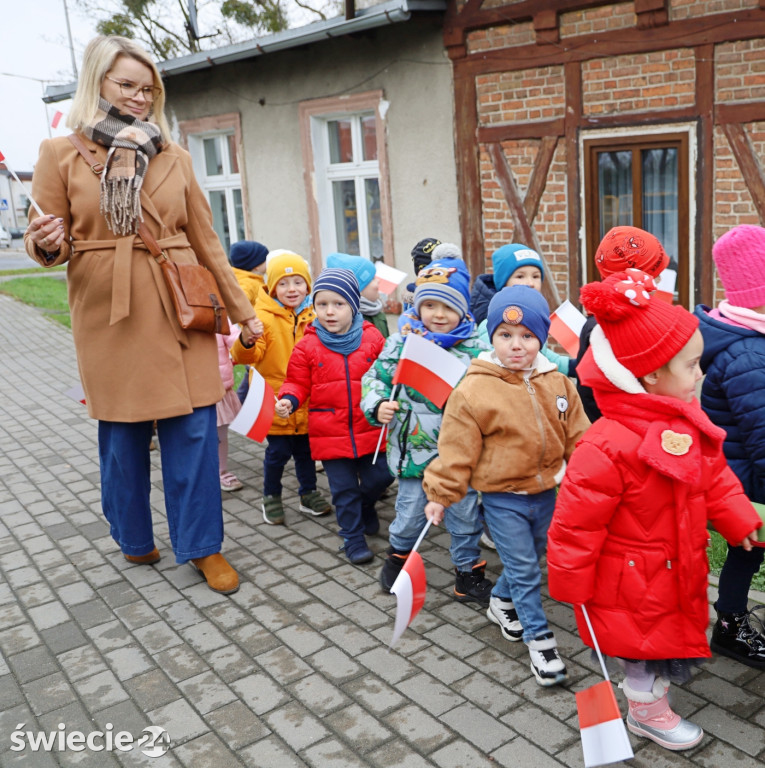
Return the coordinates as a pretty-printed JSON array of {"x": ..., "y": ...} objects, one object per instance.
[{"x": 136, "y": 363}]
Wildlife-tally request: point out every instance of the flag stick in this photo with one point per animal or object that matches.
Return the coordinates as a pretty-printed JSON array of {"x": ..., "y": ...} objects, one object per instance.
[
  {"x": 22, "y": 185},
  {"x": 421, "y": 536},
  {"x": 595, "y": 643},
  {"x": 384, "y": 426}
]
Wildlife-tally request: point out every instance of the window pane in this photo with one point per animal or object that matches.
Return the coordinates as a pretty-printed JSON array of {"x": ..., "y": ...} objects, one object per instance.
[
  {"x": 220, "y": 217},
  {"x": 346, "y": 216},
  {"x": 340, "y": 142},
  {"x": 660, "y": 198},
  {"x": 233, "y": 160},
  {"x": 615, "y": 189},
  {"x": 239, "y": 214},
  {"x": 213, "y": 159},
  {"x": 369, "y": 136},
  {"x": 374, "y": 220}
]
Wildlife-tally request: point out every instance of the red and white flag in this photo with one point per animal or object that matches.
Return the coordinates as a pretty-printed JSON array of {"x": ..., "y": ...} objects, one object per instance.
[
  {"x": 665, "y": 285},
  {"x": 257, "y": 414},
  {"x": 56, "y": 119},
  {"x": 428, "y": 368},
  {"x": 566, "y": 327},
  {"x": 76, "y": 393},
  {"x": 389, "y": 278},
  {"x": 604, "y": 737},
  {"x": 409, "y": 588}
]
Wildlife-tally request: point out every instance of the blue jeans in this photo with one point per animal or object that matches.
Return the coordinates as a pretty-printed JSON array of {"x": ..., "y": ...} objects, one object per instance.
[
  {"x": 518, "y": 524},
  {"x": 189, "y": 455},
  {"x": 356, "y": 486},
  {"x": 461, "y": 520},
  {"x": 278, "y": 452}
]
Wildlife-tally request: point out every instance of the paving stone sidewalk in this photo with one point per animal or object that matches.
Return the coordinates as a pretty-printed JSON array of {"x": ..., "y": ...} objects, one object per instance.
[{"x": 292, "y": 670}]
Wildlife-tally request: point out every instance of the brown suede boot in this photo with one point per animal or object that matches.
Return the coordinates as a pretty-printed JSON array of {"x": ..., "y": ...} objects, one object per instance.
[
  {"x": 219, "y": 575},
  {"x": 149, "y": 559}
]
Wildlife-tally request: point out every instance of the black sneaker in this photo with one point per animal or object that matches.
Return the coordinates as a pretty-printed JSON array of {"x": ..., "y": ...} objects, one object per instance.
[
  {"x": 502, "y": 612},
  {"x": 741, "y": 636},
  {"x": 391, "y": 568},
  {"x": 472, "y": 586}
]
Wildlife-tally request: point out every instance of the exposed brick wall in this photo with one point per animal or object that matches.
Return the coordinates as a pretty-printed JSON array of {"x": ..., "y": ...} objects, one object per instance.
[
  {"x": 551, "y": 222},
  {"x": 740, "y": 71},
  {"x": 520, "y": 97},
  {"x": 504, "y": 36},
  {"x": 689, "y": 9},
  {"x": 597, "y": 20},
  {"x": 639, "y": 82}
]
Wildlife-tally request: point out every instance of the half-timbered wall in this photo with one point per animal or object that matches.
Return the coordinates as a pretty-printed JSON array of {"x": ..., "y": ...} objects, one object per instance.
[{"x": 532, "y": 77}]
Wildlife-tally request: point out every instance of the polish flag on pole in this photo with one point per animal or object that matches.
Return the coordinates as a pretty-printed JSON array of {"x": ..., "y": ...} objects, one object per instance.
[
  {"x": 604, "y": 736},
  {"x": 428, "y": 368},
  {"x": 665, "y": 285},
  {"x": 56, "y": 119},
  {"x": 21, "y": 184},
  {"x": 566, "y": 327},
  {"x": 76, "y": 393},
  {"x": 409, "y": 589},
  {"x": 257, "y": 414},
  {"x": 389, "y": 278}
]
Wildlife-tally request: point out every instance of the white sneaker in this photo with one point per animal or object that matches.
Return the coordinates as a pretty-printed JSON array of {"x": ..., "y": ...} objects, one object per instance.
[
  {"x": 502, "y": 612},
  {"x": 546, "y": 663}
]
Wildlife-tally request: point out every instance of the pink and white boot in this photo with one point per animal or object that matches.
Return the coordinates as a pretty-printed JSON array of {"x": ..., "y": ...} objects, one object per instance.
[{"x": 651, "y": 716}]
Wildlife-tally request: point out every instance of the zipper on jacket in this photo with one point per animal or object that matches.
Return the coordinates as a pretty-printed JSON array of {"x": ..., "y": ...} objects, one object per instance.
[
  {"x": 403, "y": 439},
  {"x": 540, "y": 424},
  {"x": 350, "y": 405}
]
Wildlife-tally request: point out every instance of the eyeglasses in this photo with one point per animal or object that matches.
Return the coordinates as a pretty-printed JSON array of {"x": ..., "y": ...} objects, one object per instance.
[{"x": 131, "y": 90}]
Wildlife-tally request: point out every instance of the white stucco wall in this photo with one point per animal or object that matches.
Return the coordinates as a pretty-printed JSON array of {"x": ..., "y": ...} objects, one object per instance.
[{"x": 406, "y": 61}]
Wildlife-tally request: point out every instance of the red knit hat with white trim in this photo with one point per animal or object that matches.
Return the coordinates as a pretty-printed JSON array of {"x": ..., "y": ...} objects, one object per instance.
[{"x": 644, "y": 332}]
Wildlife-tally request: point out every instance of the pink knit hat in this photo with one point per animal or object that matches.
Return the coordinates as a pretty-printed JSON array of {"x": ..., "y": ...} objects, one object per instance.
[{"x": 740, "y": 258}]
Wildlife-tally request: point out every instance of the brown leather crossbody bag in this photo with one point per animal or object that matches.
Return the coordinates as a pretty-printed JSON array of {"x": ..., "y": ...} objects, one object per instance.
[{"x": 192, "y": 287}]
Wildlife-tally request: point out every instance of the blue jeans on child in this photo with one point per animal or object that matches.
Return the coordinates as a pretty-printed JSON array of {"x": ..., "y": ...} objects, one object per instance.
[
  {"x": 356, "y": 486},
  {"x": 518, "y": 524},
  {"x": 189, "y": 459},
  {"x": 278, "y": 452},
  {"x": 460, "y": 520}
]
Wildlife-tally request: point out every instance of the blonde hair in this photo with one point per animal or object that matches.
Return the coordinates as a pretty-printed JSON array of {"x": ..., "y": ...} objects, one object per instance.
[{"x": 99, "y": 58}]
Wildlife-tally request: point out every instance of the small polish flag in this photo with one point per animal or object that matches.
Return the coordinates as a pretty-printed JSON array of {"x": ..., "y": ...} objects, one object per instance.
[
  {"x": 665, "y": 285},
  {"x": 604, "y": 737},
  {"x": 76, "y": 393},
  {"x": 56, "y": 119},
  {"x": 566, "y": 327},
  {"x": 2, "y": 157},
  {"x": 428, "y": 368},
  {"x": 409, "y": 589},
  {"x": 257, "y": 414},
  {"x": 388, "y": 277}
]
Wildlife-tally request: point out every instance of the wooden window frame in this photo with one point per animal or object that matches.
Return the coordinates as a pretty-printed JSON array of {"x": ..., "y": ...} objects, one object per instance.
[{"x": 684, "y": 141}]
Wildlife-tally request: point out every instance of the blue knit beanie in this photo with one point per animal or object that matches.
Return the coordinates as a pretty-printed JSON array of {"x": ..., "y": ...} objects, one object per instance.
[
  {"x": 519, "y": 305},
  {"x": 361, "y": 267},
  {"x": 341, "y": 281},
  {"x": 247, "y": 254},
  {"x": 508, "y": 258},
  {"x": 445, "y": 280}
]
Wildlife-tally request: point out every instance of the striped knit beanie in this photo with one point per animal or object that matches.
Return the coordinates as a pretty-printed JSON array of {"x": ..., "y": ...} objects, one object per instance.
[{"x": 341, "y": 281}]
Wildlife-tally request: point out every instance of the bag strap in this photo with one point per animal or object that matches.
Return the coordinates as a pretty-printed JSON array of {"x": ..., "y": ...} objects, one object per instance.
[{"x": 98, "y": 168}]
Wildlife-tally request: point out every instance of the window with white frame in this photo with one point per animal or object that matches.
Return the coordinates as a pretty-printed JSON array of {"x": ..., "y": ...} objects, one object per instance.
[
  {"x": 216, "y": 165},
  {"x": 344, "y": 151}
]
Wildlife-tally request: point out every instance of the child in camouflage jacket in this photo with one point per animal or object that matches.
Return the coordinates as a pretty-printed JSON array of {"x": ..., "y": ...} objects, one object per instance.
[{"x": 440, "y": 314}]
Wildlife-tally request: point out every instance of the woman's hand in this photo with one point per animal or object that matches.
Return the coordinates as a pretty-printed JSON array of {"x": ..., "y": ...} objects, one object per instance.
[
  {"x": 434, "y": 512},
  {"x": 283, "y": 407},
  {"x": 252, "y": 329},
  {"x": 385, "y": 411},
  {"x": 47, "y": 233}
]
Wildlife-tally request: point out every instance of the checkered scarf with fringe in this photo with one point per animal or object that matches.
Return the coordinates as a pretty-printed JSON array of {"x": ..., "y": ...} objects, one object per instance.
[{"x": 132, "y": 143}]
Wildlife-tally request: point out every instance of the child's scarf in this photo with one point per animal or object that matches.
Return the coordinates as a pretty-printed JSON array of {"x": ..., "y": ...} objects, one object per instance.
[
  {"x": 410, "y": 322},
  {"x": 132, "y": 144},
  {"x": 342, "y": 343}
]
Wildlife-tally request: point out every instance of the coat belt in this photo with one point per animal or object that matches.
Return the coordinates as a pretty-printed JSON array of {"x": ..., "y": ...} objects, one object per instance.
[{"x": 123, "y": 248}]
